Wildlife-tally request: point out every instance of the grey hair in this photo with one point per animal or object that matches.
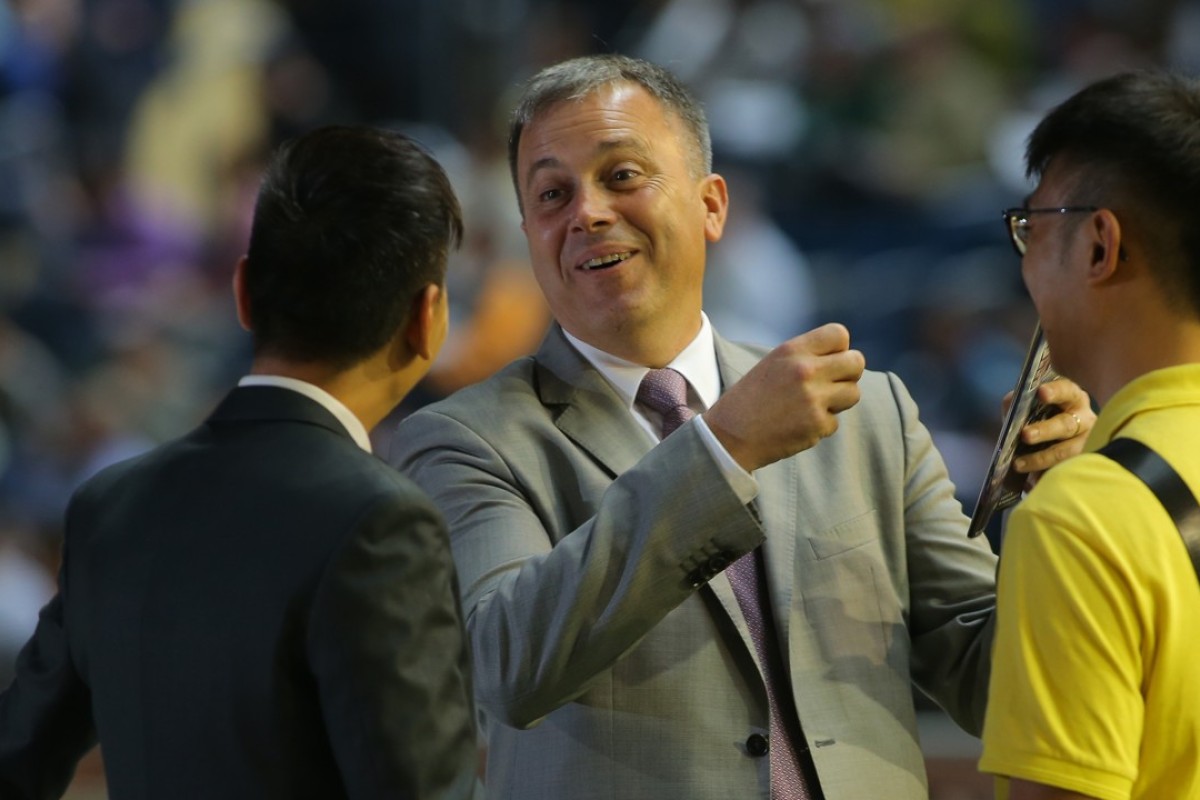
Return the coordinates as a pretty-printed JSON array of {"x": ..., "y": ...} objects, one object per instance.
[{"x": 579, "y": 77}]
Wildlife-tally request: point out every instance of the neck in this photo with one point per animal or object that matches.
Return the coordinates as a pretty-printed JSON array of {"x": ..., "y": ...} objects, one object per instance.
[
  {"x": 653, "y": 349},
  {"x": 1141, "y": 344},
  {"x": 371, "y": 389}
]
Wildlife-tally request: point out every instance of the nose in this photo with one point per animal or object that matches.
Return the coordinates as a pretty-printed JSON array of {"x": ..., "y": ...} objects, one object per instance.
[{"x": 592, "y": 210}]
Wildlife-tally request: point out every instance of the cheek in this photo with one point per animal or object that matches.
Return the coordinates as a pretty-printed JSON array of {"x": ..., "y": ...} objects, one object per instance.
[
  {"x": 546, "y": 229},
  {"x": 1033, "y": 274},
  {"x": 543, "y": 241},
  {"x": 1027, "y": 276},
  {"x": 550, "y": 278}
]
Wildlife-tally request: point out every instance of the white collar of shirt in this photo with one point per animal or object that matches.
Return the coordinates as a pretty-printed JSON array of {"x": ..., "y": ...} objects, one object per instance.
[
  {"x": 351, "y": 423},
  {"x": 697, "y": 363}
]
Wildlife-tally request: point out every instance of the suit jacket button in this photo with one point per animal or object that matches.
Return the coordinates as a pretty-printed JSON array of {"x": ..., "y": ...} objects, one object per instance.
[
  {"x": 697, "y": 578},
  {"x": 718, "y": 562},
  {"x": 756, "y": 745}
]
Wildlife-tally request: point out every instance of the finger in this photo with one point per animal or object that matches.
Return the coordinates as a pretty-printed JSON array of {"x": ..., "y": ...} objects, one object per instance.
[
  {"x": 1062, "y": 426},
  {"x": 830, "y": 338},
  {"x": 1041, "y": 460},
  {"x": 844, "y": 396},
  {"x": 1064, "y": 393},
  {"x": 845, "y": 366},
  {"x": 814, "y": 372}
]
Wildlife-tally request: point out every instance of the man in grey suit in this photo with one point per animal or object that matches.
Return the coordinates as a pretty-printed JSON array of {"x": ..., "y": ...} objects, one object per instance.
[
  {"x": 740, "y": 610},
  {"x": 262, "y": 608}
]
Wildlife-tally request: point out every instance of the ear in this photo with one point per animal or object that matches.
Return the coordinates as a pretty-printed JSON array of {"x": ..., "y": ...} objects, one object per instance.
[
  {"x": 423, "y": 332},
  {"x": 715, "y": 196},
  {"x": 241, "y": 295},
  {"x": 1107, "y": 254}
]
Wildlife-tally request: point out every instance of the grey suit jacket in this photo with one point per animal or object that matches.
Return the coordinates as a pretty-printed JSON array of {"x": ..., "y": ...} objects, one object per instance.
[{"x": 602, "y": 671}]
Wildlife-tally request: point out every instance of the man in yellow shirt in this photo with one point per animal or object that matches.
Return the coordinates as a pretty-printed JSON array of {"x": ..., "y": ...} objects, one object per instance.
[{"x": 1094, "y": 689}]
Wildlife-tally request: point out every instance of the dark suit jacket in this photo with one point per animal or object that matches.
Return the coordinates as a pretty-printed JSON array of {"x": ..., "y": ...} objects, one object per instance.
[{"x": 260, "y": 609}]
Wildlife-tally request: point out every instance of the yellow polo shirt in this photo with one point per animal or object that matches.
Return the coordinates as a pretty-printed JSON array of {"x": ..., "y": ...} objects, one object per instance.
[{"x": 1095, "y": 681}]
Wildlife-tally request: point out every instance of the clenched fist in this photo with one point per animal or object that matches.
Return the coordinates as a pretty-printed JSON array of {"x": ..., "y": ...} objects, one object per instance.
[{"x": 790, "y": 400}]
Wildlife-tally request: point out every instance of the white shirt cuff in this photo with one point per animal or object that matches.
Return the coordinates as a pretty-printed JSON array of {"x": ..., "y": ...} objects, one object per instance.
[{"x": 741, "y": 481}]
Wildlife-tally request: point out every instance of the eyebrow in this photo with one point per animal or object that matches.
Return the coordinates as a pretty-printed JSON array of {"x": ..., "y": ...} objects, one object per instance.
[
  {"x": 604, "y": 146},
  {"x": 542, "y": 163}
]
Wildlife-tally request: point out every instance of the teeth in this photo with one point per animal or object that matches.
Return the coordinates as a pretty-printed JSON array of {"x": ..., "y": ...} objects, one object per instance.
[{"x": 605, "y": 261}]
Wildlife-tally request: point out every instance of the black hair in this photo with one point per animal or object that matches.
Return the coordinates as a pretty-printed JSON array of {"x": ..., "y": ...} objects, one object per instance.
[
  {"x": 1131, "y": 143},
  {"x": 351, "y": 223}
]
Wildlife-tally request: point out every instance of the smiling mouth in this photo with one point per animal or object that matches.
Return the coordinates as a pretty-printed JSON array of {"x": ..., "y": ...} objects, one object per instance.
[{"x": 604, "y": 262}]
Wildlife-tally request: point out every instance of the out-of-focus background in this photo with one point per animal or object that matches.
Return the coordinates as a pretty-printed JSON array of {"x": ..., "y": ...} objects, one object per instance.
[{"x": 869, "y": 145}]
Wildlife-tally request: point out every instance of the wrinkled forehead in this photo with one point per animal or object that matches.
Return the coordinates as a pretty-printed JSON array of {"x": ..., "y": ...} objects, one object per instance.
[
  {"x": 613, "y": 95},
  {"x": 622, "y": 94}
]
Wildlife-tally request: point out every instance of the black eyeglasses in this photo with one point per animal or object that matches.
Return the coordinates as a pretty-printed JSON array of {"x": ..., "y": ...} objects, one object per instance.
[{"x": 1017, "y": 220}]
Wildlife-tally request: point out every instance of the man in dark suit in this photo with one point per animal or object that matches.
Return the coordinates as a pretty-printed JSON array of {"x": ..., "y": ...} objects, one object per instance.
[{"x": 263, "y": 609}]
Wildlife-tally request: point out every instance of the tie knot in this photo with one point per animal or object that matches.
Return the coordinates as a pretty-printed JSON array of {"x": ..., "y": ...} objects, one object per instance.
[{"x": 665, "y": 391}]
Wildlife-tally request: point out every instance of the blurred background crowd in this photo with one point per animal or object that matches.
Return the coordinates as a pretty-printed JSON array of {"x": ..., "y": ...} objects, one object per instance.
[{"x": 869, "y": 145}]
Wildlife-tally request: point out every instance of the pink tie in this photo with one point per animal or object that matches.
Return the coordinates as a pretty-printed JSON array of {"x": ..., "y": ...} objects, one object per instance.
[
  {"x": 665, "y": 391},
  {"x": 747, "y": 575}
]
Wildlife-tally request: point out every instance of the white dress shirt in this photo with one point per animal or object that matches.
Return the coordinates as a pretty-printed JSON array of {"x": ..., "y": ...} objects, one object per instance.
[{"x": 698, "y": 364}]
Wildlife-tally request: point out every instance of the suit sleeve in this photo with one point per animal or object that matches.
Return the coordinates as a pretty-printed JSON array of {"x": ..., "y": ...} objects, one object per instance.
[
  {"x": 552, "y": 603},
  {"x": 951, "y": 580},
  {"x": 389, "y": 655},
  {"x": 46, "y": 722}
]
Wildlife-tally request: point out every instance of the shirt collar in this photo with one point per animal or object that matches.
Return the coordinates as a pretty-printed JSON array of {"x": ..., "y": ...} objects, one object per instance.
[
  {"x": 350, "y": 422},
  {"x": 697, "y": 363},
  {"x": 1160, "y": 388}
]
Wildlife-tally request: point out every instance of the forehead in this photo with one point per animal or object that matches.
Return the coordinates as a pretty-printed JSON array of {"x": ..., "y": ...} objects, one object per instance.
[{"x": 613, "y": 115}]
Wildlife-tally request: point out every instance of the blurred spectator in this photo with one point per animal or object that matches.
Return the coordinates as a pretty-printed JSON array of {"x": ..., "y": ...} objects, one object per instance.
[
  {"x": 25, "y": 586},
  {"x": 873, "y": 142},
  {"x": 203, "y": 112},
  {"x": 758, "y": 287}
]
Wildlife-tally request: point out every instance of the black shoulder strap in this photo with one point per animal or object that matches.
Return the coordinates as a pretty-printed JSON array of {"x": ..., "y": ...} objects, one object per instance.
[{"x": 1167, "y": 486}]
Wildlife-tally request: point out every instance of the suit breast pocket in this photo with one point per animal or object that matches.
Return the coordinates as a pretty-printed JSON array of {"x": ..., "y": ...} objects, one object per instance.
[
  {"x": 851, "y": 608},
  {"x": 851, "y": 534}
]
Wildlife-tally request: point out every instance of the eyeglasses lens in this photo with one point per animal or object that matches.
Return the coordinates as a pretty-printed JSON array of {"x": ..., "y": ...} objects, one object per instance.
[{"x": 1017, "y": 228}]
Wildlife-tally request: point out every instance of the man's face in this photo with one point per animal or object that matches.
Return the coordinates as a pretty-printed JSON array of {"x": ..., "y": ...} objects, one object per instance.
[
  {"x": 617, "y": 221},
  {"x": 1054, "y": 270}
]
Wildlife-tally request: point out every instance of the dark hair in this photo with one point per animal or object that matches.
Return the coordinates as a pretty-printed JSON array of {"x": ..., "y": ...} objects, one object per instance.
[
  {"x": 579, "y": 77},
  {"x": 1131, "y": 143},
  {"x": 350, "y": 224}
]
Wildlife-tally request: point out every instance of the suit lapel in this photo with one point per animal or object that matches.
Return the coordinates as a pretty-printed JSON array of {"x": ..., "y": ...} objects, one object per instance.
[
  {"x": 777, "y": 505},
  {"x": 589, "y": 411},
  {"x": 778, "y": 512},
  {"x": 594, "y": 417}
]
